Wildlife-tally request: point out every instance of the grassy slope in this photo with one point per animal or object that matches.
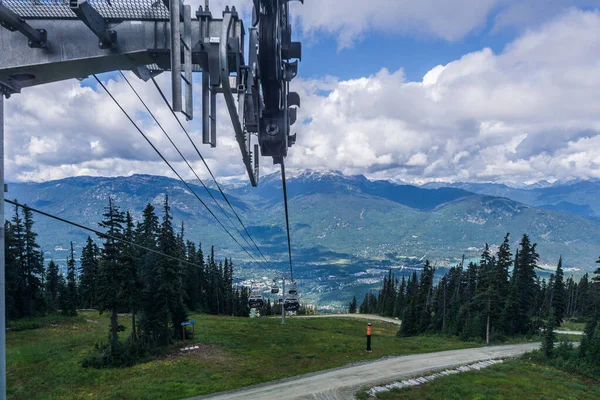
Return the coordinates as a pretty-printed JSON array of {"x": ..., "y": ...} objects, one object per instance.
[
  {"x": 572, "y": 326},
  {"x": 44, "y": 363},
  {"x": 512, "y": 380}
]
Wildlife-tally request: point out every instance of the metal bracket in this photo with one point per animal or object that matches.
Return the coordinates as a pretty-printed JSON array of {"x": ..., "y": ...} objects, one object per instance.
[
  {"x": 12, "y": 22},
  {"x": 97, "y": 24},
  {"x": 143, "y": 73}
]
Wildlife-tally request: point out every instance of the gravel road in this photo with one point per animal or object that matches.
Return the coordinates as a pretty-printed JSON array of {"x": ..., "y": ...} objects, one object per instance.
[{"x": 341, "y": 383}]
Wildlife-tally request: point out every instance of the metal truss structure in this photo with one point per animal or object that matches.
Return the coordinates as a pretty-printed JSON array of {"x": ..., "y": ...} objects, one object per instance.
[{"x": 52, "y": 40}]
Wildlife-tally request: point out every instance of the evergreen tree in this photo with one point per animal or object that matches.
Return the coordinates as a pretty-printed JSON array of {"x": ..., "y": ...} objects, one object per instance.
[
  {"x": 352, "y": 306},
  {"x": 170, "y": 289},
  {"x": 146, "y": 235},
  {"x": 363, "y": 308},
  {"x": 549, "y": 335},
  {"x": 558, "y": 294},
  {"x": 11, "y": 271},
  {"x": 69, "y": 298},
  {"x": 52, "y": 285},
  {"x": 34, "y": 266},
  {"x": 489, "y": 296},
  {"x": 410, "y": 319},
  {"x": 131, "y": 285},
  {"x": 110, "y": 272},
  {"x": 523, "y": 289},
  {"x": 25, "y": 269},
  {"x": 88, "y": 275},
  {"x": 400, "y": 295},
  {"x": 192, "y": 278},
  {"x": 425, "y": 296}
]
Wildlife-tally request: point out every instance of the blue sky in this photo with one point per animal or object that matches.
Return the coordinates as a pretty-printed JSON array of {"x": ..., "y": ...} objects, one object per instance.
[
  {"x": 510, "y": 95},
  {"x": 415, "y": 55}
]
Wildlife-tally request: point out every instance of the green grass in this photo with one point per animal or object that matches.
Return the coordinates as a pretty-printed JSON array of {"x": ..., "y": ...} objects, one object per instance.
[
  {"x": 572, "y": 326},
  {"x": 45, "y": 363},
  {"x": 511, "y": 380}
]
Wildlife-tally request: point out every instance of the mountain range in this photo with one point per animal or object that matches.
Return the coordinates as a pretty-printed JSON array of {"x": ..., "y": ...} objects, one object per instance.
[{"x": 346, "y": 230}]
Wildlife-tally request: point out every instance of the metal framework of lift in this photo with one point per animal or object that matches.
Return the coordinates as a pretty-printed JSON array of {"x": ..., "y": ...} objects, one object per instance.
[{"x": 43, "y": 41}]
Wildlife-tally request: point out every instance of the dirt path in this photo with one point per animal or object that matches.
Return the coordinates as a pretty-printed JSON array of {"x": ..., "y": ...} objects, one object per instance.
[{"x": 341, "y": 383}]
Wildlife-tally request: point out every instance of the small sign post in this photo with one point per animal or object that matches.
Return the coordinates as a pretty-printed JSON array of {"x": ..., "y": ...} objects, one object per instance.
[
  {"x": 184, "y": 324},
  {"x": 369, "y": 332}
]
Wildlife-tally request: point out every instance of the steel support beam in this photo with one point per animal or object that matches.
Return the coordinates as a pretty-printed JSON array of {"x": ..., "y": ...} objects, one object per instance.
[
  {"x": 12, "y": 22},
  {"x": 72, "y": 51}
]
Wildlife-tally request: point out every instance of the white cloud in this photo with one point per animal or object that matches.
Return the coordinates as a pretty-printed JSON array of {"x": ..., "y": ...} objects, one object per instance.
[
  {"x": 527, "y": 113},
  {"x": 451, "y": 20}
]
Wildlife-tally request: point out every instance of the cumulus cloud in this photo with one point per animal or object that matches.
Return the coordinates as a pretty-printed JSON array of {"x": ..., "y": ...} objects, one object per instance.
[
  {"x": 63, "y": 129},
  {"x": 528, "y": 112},
  {"x": 451, "y": 20}
]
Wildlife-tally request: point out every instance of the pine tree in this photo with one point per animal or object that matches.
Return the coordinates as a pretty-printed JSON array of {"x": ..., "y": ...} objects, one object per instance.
[
  {"x": 131, "y": 285},
  {"x": 34, "y": 266},
  {"x": 69, "y": 298},
  {"x": 549, "y": 335},
  {"x": 352, "y": 306},
  {"x": 489, "y": 296},
  {"x": 192, "y": 277},
  {"x": 558, "y": 295},
  {"x": 53, "y": 285},
  {"x": 26, "y": 268},
  {"x": 400, "y": 296},
  {"x": 363, "y": 308},
  {"x": 88, "y": 274},
  {"x": 523, "y": 289},
  {"x": 170, "y": 288},
  {"x": 410, "y": 319},
  {"x": 425, "y": 294},
  {"x": 146, "y": 235},
  {"x": 11, "y": 271},
  {"x": 110, "y": 272}
]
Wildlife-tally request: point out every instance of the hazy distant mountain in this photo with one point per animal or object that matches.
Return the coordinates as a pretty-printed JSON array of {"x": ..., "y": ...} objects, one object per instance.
[
  {"x": 577, "y": 197},
  {"x": 333, "y": 214}
]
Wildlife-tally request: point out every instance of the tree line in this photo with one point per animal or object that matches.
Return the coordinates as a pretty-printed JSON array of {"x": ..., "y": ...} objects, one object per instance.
[
  {"x": 484, "y": 300},
  {"x": 145, "y": 269}
]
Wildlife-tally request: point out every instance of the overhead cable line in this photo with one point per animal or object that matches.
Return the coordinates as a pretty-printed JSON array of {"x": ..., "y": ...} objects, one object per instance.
[
  {"x": 287, "y": 217},
  {"x": 102, "y": 234},
  {"x": 173, "y": 169},
  {"x": 186, "y": 161},
  {"x": 207, "y": 167}
]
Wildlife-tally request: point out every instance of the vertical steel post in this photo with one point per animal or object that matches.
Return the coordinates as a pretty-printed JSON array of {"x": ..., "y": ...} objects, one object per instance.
[
  {"x": 175, "y": 16},
  {"x": 187, "y": 60},
  {"x": 282, "y": 309},
  {"x": 2, "y": 272}
]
